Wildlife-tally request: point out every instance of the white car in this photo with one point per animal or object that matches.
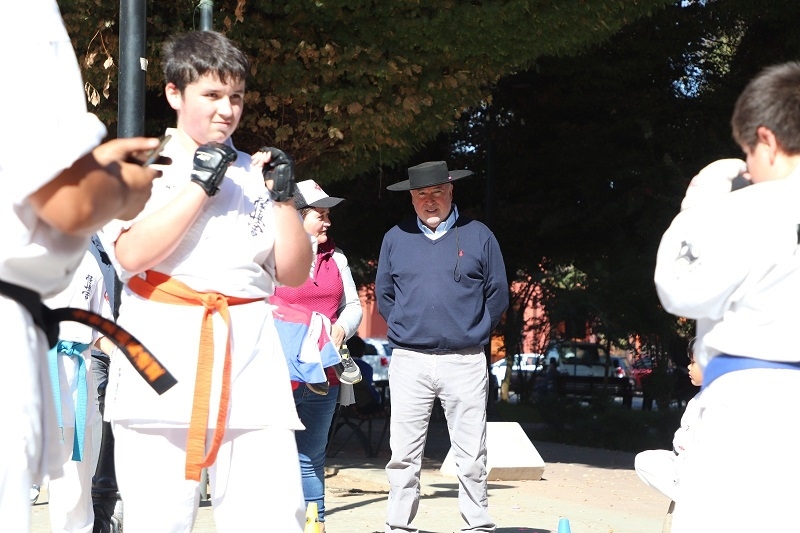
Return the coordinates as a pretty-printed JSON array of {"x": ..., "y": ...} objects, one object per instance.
[
  {"x": 525, "y": 365},
  {"x": 378, "y": 353},
  {"x": 585, "y": 359}
]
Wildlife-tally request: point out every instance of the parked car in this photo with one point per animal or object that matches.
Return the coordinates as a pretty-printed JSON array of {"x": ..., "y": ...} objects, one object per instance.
[
  {"x": 585, "y": 359},
  {"x": 378, "y": 353},
  {"x": 525, "y": 366}
]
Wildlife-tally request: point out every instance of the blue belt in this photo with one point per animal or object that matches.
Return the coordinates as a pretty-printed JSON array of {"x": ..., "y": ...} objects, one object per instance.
[
  {"x": 723, "y": 364},
  {"x": 74, "y": 350}
]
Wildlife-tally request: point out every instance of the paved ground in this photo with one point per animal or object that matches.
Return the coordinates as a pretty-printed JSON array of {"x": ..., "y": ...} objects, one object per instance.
[{"x": 597, "y": 490}]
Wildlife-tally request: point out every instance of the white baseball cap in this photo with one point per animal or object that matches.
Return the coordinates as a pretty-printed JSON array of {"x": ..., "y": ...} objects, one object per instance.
[{"x": 310, "y": 194}]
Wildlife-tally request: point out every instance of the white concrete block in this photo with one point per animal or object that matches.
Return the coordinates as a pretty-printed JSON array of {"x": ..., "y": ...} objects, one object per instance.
[{"x": 511, "y": 456}]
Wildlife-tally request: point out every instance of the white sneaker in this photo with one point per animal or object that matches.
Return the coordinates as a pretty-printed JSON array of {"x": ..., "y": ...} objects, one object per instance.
[{"x": 347, "y": 371}]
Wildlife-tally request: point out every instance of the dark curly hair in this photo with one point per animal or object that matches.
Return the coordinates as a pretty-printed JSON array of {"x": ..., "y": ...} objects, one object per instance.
[{"x": 190, "y": 56}]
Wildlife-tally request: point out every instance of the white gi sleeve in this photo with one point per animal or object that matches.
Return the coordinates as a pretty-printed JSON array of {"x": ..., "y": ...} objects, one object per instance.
[
  {"x": 60, "y": 129},
  {"x": 350, "y": 311},
  {"x": 713, "y": 253}
]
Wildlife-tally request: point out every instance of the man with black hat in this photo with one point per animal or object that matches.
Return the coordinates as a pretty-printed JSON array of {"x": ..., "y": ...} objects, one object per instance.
[{"x": 441, "y": 286}]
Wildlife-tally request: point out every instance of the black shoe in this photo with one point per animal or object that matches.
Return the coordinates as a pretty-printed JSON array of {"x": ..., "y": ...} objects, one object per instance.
[
  {"x": 319, "y": 388},
  {"x": 347, "y": 371},
  {"x": 107, "y": 516}
]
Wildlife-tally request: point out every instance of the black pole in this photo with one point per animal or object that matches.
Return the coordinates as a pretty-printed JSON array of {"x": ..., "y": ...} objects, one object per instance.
[
  {"x": 132, "y": 67},
  {"x": 130, "y": 123},
  {"x": 206, "y": 8}
]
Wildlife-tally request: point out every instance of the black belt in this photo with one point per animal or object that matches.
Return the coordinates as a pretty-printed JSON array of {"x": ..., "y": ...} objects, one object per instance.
[{"x": 48, "y": 320}]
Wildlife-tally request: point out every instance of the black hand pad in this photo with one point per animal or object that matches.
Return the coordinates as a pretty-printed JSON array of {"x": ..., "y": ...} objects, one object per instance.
[
  {"x": 280, "y": 170},
  {"x": 210, "y": 163}
]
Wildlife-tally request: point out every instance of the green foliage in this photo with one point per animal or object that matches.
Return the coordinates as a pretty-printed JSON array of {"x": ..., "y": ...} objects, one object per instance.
[
  {"x": 584, "y": 159},
  {"x": 345, "y": 86},
  {"x": 583, "y": 121},
  {"x": 590, "y": 155}
]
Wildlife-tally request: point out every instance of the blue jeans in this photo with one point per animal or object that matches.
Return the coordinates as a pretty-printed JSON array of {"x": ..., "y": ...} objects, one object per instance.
[{"x": 316, "y": 413}]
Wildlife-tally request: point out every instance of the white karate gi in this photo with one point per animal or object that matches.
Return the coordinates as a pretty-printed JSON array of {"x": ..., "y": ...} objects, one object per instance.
[
  {"x": 45, "y": 129},
  {"x": 661, "y": 469},
  {"x": 228, "y": 250},
  {"x": 70, "y": 496},
  {"x": 732, "y": 263}
]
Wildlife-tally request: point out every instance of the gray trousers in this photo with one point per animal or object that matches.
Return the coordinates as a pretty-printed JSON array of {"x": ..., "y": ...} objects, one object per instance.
[{"x": 460, "y": 382}]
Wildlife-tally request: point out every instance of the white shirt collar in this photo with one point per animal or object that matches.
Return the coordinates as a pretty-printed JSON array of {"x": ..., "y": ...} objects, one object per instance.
[{"x": 443, "y": 226}]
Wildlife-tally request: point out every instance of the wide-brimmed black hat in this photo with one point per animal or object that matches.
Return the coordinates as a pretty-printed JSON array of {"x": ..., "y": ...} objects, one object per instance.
[{"x": 427, "y": 175}]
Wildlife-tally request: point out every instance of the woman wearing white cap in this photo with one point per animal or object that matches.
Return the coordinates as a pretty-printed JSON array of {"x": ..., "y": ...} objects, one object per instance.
[{"x": 331, "y": 291}]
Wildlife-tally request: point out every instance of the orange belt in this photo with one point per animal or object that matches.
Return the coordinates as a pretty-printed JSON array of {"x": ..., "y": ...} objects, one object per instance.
[{"x": 161, "y": 288}]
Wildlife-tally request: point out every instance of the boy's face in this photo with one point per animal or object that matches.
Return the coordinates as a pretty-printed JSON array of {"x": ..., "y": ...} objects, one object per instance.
[
  {"x": 695, "y": 374},
  {"x": 208, "y": 109}
]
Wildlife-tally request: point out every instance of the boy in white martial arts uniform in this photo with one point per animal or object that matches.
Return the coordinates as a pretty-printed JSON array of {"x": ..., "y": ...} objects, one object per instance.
[
  {"x": 71, "y": 374},
  {"x": 207, "y": 252},
  {"x": 661, "y": 469},
  {"x": 58, "y": 187},
  {"x": 730, "y": 260}
]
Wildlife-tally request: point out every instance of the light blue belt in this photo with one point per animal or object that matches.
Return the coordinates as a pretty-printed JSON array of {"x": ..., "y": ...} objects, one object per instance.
[
  {"x": 74, "y": 350},
  {"x": 723, "y": 364}
]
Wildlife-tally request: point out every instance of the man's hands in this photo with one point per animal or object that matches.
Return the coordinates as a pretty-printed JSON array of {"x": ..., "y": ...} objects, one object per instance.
[
  {"x": 278, "y": 172},
  {"x": 107, "y": 183},
  {"x": 210, "y": 163},
  {"x": 711, "y": 182},
  {"x": 122, "y": 157}
]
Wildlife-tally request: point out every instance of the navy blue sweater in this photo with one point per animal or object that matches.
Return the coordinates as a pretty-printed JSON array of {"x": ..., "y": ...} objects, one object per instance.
[{"x": 443, "y": 295}]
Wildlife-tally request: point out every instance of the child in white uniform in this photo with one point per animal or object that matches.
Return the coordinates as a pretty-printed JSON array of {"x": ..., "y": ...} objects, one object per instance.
[
  {"x": 198, "y": 265},
  {"x": 70, "y": 496},
  {"x": 661, "y": 469},
  {"x": 58, "y": 186},
  {"x": 730, "y": 260}
]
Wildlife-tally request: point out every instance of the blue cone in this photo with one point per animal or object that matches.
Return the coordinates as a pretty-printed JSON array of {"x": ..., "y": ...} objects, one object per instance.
[{"x": 563, "y": 526}]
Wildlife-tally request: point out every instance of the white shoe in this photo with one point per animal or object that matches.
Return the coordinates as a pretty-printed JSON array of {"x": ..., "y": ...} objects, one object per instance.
[{"x": 347, "y": 371}]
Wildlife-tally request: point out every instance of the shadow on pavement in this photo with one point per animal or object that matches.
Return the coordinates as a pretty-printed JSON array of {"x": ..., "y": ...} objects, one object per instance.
[
  {"x": 331, "y": 511},
  {"x": 553, "y": 452}
]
